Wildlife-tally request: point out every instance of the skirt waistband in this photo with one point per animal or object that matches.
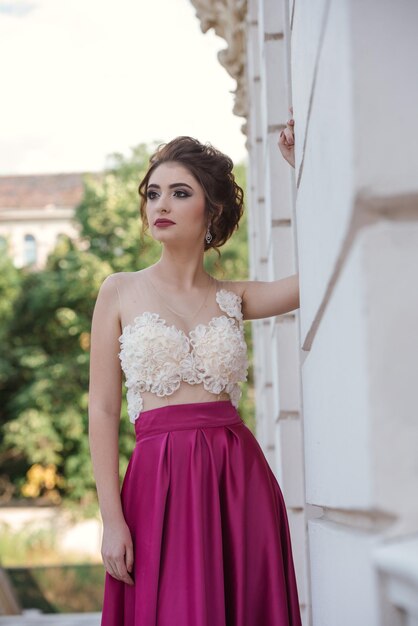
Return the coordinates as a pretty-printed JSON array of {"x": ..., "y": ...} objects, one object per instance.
[{"x": 186, "y": 415}]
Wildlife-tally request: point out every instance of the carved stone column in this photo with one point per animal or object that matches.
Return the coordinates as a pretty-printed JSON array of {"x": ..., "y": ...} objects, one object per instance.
[{"x": 227, "y": 18}]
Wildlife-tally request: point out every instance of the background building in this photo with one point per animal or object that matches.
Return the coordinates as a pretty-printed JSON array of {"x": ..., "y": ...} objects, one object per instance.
[
  {"x": 337, "y": 396},
  {"x": 34, "y": 211}
]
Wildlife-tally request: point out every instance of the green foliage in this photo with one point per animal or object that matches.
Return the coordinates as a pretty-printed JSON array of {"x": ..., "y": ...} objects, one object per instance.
[
  {"x": 109, "y": 213},
  {"x": 10, "y": 286},
  {"x": 44, "y": 399},
  {"x": 45, "y": 320},
  {"x": 9, "y": 289}
]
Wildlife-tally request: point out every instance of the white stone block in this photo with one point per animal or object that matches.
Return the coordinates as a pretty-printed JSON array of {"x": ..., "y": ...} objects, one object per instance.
[
  {"x": 308, "y": 18},
  {"x": 360, "y": 381},
  {"x": 325, "y": 196},
  {"x": 344, "y": 584},
  {"x": 279, "y": 182},
  {"x": 289, "y": 462},
  {"x": 384, "y": 52},
  {"x": 391, "y": 310},
  {"x": 271, "y": 16},
  {"x": 269, "y": 420},
  {"x": 335, "y": 402},
  {"x": 282, "y": 252},
  {"x": 270, "y": 456},
  {"x": 297, "y": 526},
  {"x": 286, "y": 349},
  {"x": 273, "y": 73},
  {"x": 348, "y": 153},
  {"x": 253, "y": 49}
]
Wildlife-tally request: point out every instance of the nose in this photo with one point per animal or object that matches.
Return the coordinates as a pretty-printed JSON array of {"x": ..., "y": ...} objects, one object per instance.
[{"x": 162, "y": 203}]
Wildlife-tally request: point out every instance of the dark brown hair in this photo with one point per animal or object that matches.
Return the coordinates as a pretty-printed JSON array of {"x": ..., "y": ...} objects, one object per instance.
[{"x": 213, "y": 171}]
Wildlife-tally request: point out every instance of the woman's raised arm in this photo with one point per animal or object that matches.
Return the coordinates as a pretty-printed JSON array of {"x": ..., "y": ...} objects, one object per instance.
[{"x": 262, "y": 299}]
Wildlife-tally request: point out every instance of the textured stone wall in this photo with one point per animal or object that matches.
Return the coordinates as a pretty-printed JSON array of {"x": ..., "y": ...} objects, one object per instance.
[
  {"x": 357, "y": 236},
  {"x": 273, "y": 255}
]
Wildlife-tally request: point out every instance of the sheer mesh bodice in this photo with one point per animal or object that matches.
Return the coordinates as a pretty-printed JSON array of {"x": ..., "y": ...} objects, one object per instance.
[{"x": 164, "y": 362}]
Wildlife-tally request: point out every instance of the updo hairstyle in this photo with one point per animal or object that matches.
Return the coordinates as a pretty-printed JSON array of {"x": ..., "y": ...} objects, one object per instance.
[{"x": 213, "y": 171}]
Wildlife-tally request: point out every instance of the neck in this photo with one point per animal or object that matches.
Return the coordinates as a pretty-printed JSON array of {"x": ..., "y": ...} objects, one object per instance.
[{"x": 181, "y": 269}]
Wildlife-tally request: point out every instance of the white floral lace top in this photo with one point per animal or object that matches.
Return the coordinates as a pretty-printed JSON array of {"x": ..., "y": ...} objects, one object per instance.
[{"x": 156, "y": 357}]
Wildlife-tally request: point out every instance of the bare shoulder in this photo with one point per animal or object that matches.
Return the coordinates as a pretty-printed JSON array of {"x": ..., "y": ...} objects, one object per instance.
[
  {"x": 261, "y": 299},
  {"x": 107, "y": 296},
  {"x": 119, "y": 280},
  {"x": 117, "y": 277},
  {"x": 127, "y": 278},
  {"x": 236, "y": 286}
]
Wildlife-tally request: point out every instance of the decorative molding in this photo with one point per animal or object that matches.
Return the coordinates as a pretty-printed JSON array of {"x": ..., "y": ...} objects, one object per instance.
[{"x": 228, "y": 19}]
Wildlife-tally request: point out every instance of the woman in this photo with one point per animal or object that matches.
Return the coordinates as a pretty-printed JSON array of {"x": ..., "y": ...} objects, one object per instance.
[{"x": 198, "y": 534}]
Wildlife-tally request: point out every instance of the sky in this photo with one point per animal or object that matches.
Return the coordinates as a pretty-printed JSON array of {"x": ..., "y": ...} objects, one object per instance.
[{"x": 84, "y": 78}]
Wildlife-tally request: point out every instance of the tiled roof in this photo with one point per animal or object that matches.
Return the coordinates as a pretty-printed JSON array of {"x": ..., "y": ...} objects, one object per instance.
[{"x": 39, "y": 190}]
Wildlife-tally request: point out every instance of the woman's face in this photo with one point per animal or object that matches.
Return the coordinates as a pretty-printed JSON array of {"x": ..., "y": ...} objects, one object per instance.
[{"x": 174, "y": 194}]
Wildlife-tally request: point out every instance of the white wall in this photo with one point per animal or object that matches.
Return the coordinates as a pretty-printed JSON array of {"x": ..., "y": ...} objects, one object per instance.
[
  {"x": 273, "y": 255},
  {"x": 347, "y": 220}
]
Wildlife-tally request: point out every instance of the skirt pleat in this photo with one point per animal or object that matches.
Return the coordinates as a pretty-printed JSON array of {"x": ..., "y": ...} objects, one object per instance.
[{"x": 209, "y": 526}]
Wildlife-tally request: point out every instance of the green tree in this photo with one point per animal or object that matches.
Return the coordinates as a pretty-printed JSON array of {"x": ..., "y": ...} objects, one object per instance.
[
  {"x": 109, "y": 213},
  {"x": 45, "y": 398}
]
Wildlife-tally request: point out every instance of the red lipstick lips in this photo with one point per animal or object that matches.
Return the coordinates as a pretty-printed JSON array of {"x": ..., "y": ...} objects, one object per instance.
[{"x": 163, "y": 222}]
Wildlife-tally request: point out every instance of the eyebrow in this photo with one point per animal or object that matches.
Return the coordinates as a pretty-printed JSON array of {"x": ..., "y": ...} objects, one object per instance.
[{"x": 170, "y": 186}]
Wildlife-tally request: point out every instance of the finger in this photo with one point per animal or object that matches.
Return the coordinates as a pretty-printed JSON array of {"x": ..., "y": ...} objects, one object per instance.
[
  {"x": 110, "y": 569},
  {"x": 107, "y": 565},
  {"x": 283, "y": 145},
  {"x": 122, "y": 572},
  {"x": 289, "y": 136},
  {"x": 119, "y": 565},
  {"x": 289, "y": 131}
]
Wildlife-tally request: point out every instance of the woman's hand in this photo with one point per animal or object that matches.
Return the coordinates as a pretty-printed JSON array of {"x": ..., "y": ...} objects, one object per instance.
[
  {"x": 286, "y": 141},
  {"x": 117, "y": 551}
]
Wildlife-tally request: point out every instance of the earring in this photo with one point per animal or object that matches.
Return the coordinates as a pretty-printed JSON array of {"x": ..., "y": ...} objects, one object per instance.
[{"x": 208, "y": 236}]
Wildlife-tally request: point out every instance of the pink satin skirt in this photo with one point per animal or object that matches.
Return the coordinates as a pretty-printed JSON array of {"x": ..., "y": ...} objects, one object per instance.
[{"x": 209, "y": 526}]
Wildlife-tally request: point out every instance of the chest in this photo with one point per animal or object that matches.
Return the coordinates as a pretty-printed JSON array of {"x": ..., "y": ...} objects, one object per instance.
[{"x": 149, "y": 342}]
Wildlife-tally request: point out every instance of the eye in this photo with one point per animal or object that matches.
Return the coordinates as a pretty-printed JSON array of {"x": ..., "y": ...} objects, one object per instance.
[
  {"x": 185, "y": 194},
  {"x": 149, "y": 196}
]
